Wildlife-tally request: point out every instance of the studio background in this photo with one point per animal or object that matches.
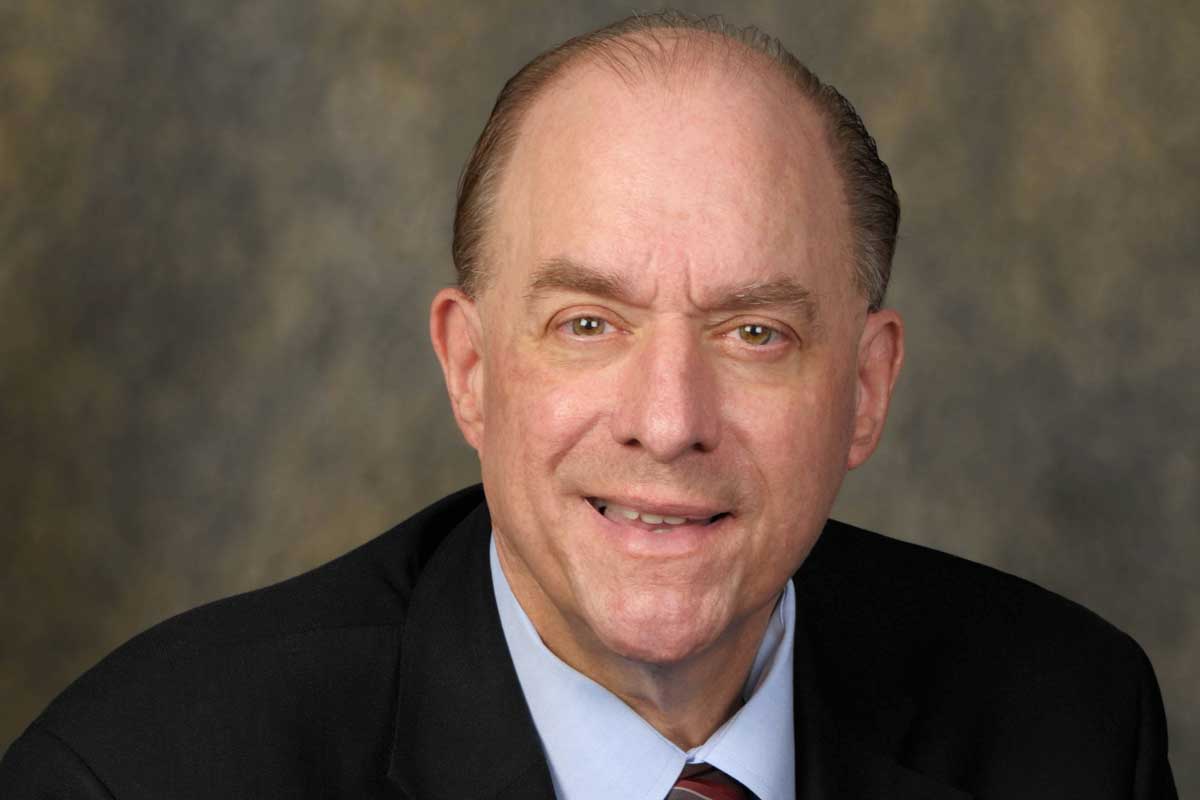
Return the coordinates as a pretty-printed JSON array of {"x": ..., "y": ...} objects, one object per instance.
[{"x": 221, "y": 224}]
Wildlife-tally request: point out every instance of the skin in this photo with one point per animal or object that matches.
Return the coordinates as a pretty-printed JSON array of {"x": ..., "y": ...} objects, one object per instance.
[{"x": 640, "y": 226}]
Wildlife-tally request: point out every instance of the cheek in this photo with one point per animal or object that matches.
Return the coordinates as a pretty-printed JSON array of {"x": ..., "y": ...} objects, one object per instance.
[
  {"x": 797, "y": 433},
  {"x": 533, "y": 415}
]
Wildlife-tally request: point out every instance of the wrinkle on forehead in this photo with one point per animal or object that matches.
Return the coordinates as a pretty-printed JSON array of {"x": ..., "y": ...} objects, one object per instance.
[
  {"x": 721, "y": 172},
  {"x": 739, "y": 152}
]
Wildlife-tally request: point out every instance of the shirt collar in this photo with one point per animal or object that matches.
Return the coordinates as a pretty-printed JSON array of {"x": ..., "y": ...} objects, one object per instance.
[{"x": 597, "y": 747}]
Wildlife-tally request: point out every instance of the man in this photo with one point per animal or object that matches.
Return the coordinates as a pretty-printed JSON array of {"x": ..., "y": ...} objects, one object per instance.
[{"x": 668, "y": 346}]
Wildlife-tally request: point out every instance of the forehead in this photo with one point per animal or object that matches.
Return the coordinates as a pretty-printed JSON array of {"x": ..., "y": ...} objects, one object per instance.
[{"x": 724, "y": 170}]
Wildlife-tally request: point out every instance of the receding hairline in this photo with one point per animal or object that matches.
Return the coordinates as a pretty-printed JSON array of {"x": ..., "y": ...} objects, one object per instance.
[
  {"x": 667, "y": 54},
  {"x": 670, "y": 60},
  {"x": 669, "y": 48}
]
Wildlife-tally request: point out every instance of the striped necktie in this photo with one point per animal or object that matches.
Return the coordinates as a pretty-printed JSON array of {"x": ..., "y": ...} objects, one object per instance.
[{"x": 703, "y": 782}]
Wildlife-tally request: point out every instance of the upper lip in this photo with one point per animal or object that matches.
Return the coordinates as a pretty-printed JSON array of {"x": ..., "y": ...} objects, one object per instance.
[{"x": 663, "y": 507}]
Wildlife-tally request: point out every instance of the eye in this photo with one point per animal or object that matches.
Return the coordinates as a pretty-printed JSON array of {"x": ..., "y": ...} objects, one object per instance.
[
  {"x": 757, "y": 335},
  {"x": 588, "y": 326}
]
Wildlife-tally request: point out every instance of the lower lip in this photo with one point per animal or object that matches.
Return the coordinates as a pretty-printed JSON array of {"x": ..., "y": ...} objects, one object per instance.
[{"x": 673, "y": 540}]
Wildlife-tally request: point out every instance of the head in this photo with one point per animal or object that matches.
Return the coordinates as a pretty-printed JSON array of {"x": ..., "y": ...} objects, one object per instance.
[{"x": 670, "y": 294}]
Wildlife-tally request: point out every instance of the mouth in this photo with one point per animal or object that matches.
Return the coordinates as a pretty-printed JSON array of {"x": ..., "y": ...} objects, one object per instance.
[{"x": 656, "y": 519}]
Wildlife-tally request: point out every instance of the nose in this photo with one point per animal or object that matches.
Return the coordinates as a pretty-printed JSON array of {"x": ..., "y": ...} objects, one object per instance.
[{"x": 668, "y": 403}]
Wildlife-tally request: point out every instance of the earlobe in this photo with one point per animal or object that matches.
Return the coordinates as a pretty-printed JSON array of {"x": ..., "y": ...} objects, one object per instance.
[
  {"x": 880, "y": 356},
  {"x": 456, "y": 332}
]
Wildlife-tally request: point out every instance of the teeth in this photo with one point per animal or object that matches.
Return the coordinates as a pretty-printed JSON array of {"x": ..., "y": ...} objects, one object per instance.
[{"x": 616, "y": 512}]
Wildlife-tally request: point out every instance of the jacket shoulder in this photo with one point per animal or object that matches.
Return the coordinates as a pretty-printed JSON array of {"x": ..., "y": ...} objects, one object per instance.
[
  {"x": 367, "y": 587},
  {"x": 314, "y": 654},
  {"x": 1000, "y": 681},
  {"x": 906, "y": 595}
]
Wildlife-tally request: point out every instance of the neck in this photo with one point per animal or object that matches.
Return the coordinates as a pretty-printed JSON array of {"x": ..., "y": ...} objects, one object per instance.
[{"x": 685, "y": 700}]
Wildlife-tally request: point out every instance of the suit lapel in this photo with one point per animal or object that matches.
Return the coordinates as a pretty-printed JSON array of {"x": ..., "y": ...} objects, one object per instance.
[
  {"x": 838, "y": 760},
  {"x": 847, "y": 741},
  {"x": 463, "y": 729}
]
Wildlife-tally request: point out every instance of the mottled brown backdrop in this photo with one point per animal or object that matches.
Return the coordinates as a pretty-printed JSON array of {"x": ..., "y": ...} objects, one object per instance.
[{"x": 221, "y": 224}]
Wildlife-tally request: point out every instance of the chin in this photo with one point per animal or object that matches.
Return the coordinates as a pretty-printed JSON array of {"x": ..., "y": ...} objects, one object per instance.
[{"x": 652, "y": 633}]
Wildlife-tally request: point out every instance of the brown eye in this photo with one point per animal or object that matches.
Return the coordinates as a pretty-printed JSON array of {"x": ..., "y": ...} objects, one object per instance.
[
  {"x": 757, "y": 335},
  {"x": 588, "y": 326}
]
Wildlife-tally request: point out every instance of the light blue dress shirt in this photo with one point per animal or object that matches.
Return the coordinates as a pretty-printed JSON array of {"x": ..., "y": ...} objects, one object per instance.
[{"x": 599, "y": 748}]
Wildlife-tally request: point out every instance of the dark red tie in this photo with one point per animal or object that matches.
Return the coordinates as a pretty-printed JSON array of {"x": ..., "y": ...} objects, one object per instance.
[{"x": 707, "y": 783}]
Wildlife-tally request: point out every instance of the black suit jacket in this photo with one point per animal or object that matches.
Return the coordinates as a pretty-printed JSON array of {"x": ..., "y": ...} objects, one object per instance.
[{"x": 385, "y": 674}]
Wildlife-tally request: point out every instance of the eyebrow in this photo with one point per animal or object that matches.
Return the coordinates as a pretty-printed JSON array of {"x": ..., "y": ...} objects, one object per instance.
[{"x": 565, "y": 274}]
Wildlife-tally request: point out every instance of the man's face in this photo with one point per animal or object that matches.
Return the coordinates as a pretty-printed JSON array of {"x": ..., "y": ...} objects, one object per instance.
[{"x": 670, "y": 329}]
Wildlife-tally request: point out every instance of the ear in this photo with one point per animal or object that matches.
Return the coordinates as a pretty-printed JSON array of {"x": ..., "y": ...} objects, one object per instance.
[
  {"x": 880, "y": 355},
  {"x": 457, "y": 334}
]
